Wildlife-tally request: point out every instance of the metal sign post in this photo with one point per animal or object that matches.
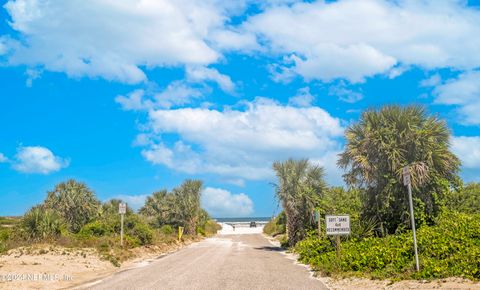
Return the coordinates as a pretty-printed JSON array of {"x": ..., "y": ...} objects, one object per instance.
[
  {"x": 122, "y": 210},
  {"x": 407, "y": 181}
]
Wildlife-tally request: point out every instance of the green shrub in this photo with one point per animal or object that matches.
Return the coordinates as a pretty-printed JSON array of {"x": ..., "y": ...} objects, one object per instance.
[
  {"x": 5, "y": 234},
  {"x": 201, "y": 231},
  {"x": 465, "y": 199},
  {"x": 40, "y": 223},
  {"x": 451, "y": 248},
  {"x": 142, "y": 232},
  {"x": 212, "y": 227},
  {"x": 276, "y": 226},
  {"x": 166, "y": 230},
  {"x": 95, "y": 229}
]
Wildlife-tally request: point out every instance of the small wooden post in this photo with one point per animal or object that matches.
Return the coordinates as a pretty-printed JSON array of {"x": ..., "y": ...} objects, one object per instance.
[{"x": 337, "y": 244}]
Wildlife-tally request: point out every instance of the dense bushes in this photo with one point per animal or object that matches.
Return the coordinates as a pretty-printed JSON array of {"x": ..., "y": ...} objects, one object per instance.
[
  {"x": 4, "y": 236},
  {"x": 109, "y": 225},
  {"x": 138, "y": 230},
  {"x": 465, "y": 199},
  {"x": 41, "y": 223},
  {"x": 211, "y": 227},
  {"x": 451, "y": 248},
  {"x": 72, "y": 216},
  {"x": 167, "y": 230},
  {"x": 276, "y": 226}
]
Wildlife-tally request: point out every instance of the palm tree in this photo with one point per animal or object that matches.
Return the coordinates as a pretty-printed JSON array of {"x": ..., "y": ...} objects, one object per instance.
[
  {"x": 180, "y": 207},
  {"x": 299, "y": 189},
  {"x": 74, "y": 202},
  {"x": 381, "y": 144},
  {"x": 187, "y": 203}
]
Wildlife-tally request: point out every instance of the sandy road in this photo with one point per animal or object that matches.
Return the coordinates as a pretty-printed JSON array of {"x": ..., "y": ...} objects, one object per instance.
[{"x": 227, "y": 261}]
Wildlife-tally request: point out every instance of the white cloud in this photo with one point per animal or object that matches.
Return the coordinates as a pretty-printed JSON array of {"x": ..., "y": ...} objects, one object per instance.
[
  {"x": 242, "y": 143},
  {"x": 222, "y": 203},
  {"x": 113, "y": 39},
  {"x": 177, "y": 93},
  {"x": 201, "y": 74},
  {"x": 353, "y": 39},
  {"x": 133, "y": 101},
  {"x": 432, "y": 81},
  {"x": 345, "y": 94},
  {"x": 234, "y": 40},
  {"x": 463, "y": 92},
  {"x": 134, "y": 202},
  {"x": 346, "y": 39},
  {"x": 303, "y": 98},
  {"x": 468, "y": 150},
  {"x": 3, "y": 158},
  {"x": 36, "y": 159}
]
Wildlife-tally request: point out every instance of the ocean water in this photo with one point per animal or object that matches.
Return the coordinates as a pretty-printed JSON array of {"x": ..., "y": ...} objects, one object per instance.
[{"x": 243, "y": 219}]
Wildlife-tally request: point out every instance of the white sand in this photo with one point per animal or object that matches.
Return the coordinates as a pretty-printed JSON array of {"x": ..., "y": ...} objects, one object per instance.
[{"x": 239, "y": 230}]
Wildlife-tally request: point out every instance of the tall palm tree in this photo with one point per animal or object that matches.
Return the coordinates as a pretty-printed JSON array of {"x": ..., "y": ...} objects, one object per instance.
[
  {"x": 299, "y": 189},
  {"x": 74, "y": 202},
  {"x": 381, "y": 144},
  {"x": 180, "y": 207},
  {"x": 187, "y": 203}
]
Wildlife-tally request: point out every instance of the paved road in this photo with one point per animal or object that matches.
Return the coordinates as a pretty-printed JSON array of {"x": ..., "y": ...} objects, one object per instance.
[{"x": 245, "y": 261}]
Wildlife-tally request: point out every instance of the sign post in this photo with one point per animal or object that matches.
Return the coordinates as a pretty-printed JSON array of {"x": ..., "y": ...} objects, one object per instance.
[
  {"x": 407, "y": 182},
  {"x": 337, "y": 225},
  {"x": 122, "y": 210}
]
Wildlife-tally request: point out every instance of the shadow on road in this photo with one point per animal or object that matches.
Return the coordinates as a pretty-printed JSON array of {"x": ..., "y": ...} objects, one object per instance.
[{"x": 270, "y": 249}]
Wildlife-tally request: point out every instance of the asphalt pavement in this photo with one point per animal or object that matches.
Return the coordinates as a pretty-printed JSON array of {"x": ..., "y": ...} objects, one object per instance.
[{"x": 233, "y": 261}]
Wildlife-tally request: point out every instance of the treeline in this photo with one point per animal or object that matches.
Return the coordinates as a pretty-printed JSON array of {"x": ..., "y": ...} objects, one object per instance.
[
  {"x": 72, "y": 215},
  {"x": 377, "y": 148}
]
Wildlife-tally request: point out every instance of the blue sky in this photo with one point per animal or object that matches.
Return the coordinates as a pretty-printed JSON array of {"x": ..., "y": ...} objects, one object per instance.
[{"x": 135, "y": 97}]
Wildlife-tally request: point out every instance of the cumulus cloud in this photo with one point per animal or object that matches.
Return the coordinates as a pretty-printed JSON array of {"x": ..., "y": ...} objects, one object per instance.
[
  {"x": 241, "y": 143},
  {"x": 222, "y": 203},
  {"x": 468, "y": 150},
  {"x": 112, "y": 39},
  {"x": 318, "y": 40},
  {"x": 463, "y": 92},
  {"x": 354, "y": 40},
  {"x": 36, "y": 159}
]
